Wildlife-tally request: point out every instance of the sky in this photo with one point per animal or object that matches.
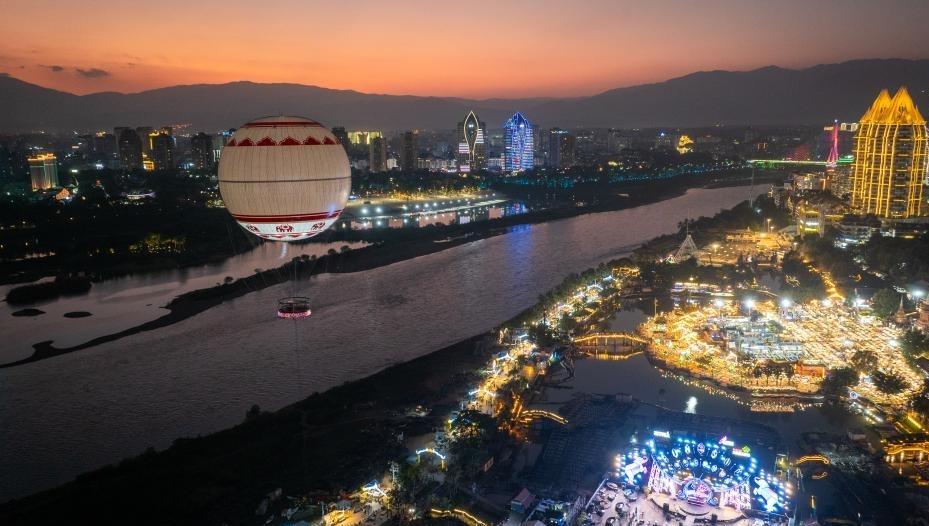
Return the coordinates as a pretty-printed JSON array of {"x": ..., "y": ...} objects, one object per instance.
[{"x": 466, "y": 48}]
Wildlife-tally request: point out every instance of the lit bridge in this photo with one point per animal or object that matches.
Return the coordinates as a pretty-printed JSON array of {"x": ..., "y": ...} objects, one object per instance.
[
  {"x": 812, "y": 458},
  {"x": 459, "y": 514},
  {"x": 610, "y": 343},
  {"x": 529, "y": 415},
  {"x": 430, "y": 451},
  {"x": 774, "y": 163},
  {"x": 816, "y": 459}
]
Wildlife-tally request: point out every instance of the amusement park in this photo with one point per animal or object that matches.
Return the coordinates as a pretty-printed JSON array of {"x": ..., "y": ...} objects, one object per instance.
[{"x": 713, "y": 478}]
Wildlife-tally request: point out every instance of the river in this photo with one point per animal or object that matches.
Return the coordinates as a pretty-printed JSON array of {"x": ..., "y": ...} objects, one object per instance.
[
  {"x": 121, "y": 303},
  {"x": 63, "y": 416}
]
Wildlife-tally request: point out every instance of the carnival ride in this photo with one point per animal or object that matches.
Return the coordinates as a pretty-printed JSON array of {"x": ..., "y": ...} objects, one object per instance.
[{"x": 702, "y": 475}]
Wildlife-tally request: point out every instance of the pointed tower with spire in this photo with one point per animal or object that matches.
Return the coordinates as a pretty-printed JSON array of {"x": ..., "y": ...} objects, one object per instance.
[
  {"x": 688, "y": 248},
  {"x": 891, "y": 153},
  {"x": 900, "y": 316}
]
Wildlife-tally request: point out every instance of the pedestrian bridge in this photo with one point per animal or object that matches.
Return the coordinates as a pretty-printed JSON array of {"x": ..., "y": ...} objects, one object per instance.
[
  {"x": 812, "y": 458},
  {"x": 610, "y": 343},
  {"x": 529, "y": 415},
  {"x": 607, "y": 337},
  {"x": 457, "y": 513}
]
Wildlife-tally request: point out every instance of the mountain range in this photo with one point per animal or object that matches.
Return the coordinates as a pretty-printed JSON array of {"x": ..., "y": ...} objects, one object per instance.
[{"x": 765, "y": 96}]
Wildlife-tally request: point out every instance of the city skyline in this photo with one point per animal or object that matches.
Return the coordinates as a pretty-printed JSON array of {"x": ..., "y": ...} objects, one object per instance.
[
  {"x": 608, "y": 263},
  {"x": 622, "y": 44}
]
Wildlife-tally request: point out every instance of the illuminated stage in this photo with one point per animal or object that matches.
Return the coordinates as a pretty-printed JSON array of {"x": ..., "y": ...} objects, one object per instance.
[{"x": 703, "y": 478}]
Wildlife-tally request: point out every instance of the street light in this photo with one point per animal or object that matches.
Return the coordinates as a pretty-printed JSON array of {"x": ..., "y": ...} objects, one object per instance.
[{"x": 786, "y": 303}]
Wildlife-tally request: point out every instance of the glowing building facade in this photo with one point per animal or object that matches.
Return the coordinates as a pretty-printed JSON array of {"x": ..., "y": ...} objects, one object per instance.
[
  {"x": 518, "y": 144},
  {"x": 889, "y": 174},
  {"x": 363, "y": 137},
  {"x": 471, "y": 147},
  {"x": 43, "y": 171}
]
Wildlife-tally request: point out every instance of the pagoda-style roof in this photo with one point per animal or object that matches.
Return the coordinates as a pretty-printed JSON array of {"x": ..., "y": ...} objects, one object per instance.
[{"x": 899, "y": 109}]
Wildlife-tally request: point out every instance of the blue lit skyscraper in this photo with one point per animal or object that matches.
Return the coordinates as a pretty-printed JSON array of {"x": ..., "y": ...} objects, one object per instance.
[{"x": 518, "y": 154}]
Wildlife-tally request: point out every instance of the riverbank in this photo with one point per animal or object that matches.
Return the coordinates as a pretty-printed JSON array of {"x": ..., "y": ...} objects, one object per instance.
[
  {"x": 402, "y": 245},
  {"x": 324, "y": 443}
]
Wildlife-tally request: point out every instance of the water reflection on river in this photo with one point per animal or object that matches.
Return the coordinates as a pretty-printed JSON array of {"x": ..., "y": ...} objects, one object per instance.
[
  {"x": 125, "y": 302},
  {"x": 65, "y": 415}
]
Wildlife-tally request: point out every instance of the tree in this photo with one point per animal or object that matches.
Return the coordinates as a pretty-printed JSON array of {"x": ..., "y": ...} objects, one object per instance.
[
  {"x": 888, "y": 383},
  {"x": 863, "y": 361},
  {"x": 885, "y": 303},
  {"x": 914, "y": 344},
  {"x": 838, "y": 380},
  {"x": 920, "y": 402}
]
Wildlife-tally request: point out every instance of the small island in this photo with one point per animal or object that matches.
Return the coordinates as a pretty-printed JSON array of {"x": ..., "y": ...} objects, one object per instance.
[{"x": 63, "y": 285}]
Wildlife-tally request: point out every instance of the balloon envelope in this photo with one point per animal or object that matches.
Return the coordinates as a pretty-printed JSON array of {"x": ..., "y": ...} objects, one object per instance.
[{"x": 284, "y": 178}]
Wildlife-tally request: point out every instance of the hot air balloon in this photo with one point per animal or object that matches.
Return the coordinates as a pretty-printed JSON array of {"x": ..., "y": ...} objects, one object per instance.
[{"x": 284, "y": 178}]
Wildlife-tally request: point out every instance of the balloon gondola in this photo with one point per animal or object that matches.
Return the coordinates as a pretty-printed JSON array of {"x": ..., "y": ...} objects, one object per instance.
[
  {"x": 284, "y": 179},
  {"x": 293, "y": 308}
]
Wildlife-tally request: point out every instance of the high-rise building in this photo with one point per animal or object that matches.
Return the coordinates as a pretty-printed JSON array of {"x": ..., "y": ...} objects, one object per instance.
[
  {"x": 43, "y": 170},
  {"x": 105, "y": 143},
  {"x": 409, "y": 151},
  {"x": 161, "y": 145},
  {"x": 6, "y": 164},
  {"x": 363, "y": 137},
  {"x": 889, "y": 174},
  {"x": 130, "y": 149},
  {"x": 471, "y": 148},
  {"x": 341, "y": 135},
  {"x": 617, "y": 140},
  {"x": 377, "y": 155},
  {"x": 518, "y": 149},
  {"x": 144, "y": 132},
  {"x": 561, "y": 148},
  {"x": 201, "y": 151}
]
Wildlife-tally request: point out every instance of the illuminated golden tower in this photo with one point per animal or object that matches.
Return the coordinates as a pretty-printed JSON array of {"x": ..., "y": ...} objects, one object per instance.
[{"x": 889, "y": 174}]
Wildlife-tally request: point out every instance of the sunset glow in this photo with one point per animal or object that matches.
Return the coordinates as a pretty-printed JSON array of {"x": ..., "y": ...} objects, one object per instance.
[{"x": 472, "y": 49}]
